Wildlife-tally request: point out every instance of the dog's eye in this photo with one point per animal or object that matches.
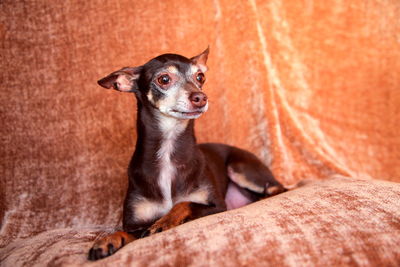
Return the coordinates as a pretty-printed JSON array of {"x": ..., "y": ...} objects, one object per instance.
[
  {"x": 164, "y": 79},
  {"x": 200, "y": 77}
]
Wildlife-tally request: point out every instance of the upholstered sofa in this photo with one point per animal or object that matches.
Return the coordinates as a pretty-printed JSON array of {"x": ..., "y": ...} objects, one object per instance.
[
  {"x": 310, "y": 87},
  {"x": 339, "y": 221}
]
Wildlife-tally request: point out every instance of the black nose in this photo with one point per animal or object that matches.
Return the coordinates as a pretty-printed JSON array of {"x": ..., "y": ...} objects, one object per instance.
[{"x": 198, "y": 99}]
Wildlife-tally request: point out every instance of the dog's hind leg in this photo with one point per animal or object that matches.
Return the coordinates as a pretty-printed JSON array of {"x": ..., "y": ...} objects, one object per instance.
[{"x": 248, "y": 172}]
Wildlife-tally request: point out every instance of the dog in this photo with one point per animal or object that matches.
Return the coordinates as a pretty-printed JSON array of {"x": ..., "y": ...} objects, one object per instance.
[{"x": 172, "y": 179}]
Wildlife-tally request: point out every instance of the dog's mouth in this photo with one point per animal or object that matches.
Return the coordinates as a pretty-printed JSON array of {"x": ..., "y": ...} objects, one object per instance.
[
  {"x": 183, "y": 112},
  {"x": 187, "y": 114}
]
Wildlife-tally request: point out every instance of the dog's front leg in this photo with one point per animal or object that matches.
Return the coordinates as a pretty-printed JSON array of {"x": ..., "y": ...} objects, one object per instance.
[{"x": 181, "y": 213}]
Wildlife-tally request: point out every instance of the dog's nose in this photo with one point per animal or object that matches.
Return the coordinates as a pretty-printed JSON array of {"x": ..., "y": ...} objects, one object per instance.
[{"x": 198, "y": 99}]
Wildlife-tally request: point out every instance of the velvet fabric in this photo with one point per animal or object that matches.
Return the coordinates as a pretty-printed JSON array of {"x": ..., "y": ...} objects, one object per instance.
[
  {"x": 311, "y": 87},
  {"x": 339, "y": 221}
]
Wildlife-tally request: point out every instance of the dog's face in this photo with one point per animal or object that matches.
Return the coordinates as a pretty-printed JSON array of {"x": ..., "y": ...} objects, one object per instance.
[{"x": 170, "y": 83}]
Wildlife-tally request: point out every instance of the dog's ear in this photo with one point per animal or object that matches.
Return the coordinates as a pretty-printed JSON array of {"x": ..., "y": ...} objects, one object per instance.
[
  {"x": 201, "y": 60},
  {"x": 124, "y": 80}
]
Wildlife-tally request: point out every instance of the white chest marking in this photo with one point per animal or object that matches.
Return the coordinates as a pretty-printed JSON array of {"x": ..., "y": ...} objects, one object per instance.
[
  {"x": 148, "y": 210},
  {"x": 199, "y": 196},
  {"x": 171, "y": 128}
]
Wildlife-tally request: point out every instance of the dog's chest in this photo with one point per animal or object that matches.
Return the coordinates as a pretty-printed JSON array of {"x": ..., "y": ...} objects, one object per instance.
[{"x": 148, "y": 210}]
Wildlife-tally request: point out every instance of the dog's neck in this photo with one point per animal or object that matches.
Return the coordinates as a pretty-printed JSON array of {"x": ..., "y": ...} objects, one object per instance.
[
  {"x": 159, "y": 136},
  {"x": 163, "y": 145}
]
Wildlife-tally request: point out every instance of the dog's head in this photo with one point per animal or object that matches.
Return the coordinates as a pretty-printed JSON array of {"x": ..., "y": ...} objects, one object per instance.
[{"x": 170, "y": 83}]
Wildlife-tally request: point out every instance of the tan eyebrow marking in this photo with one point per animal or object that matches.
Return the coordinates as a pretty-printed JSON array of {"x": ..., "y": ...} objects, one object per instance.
[
  {"x": 172, "y": 69},
  {"x": 194, "y": 69}
]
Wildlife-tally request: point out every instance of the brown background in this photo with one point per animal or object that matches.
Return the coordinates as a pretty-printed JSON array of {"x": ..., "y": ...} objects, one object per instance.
[{"x": 312, "y": 87}]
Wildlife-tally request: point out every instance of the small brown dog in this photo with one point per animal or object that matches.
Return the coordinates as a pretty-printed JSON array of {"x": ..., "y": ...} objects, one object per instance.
[{"x": 171, "y": 178}]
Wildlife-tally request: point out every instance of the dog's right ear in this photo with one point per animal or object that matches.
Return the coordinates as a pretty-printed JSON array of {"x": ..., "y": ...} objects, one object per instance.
[
  {"x": 124, "y": 80},
  {"x": 201, "y": 60}
]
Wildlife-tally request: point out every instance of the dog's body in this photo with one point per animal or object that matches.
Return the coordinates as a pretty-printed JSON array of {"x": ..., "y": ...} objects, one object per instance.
[{"x": 171, "y": 178}]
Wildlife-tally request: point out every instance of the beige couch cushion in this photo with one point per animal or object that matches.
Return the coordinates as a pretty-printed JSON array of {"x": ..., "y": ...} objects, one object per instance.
[{"x": 338, "y": 221}]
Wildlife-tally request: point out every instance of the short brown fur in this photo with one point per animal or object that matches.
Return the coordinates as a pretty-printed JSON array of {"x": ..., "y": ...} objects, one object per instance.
[{"x": 171, "y": 178}]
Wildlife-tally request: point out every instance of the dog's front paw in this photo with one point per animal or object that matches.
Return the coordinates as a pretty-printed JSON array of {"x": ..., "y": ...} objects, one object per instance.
[
  {"x": 163, "y": 224},
  {"x": 108, "y": 245},
  {"x": 178, "y": 215}
]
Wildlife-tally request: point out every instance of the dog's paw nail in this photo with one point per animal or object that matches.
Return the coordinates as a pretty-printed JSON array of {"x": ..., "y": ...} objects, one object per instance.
[
  {"x": 102, "y": 253},
  {"x": 95, "y": 254},
  {"x": 111, "y": 249},
  {"x": 145, "y": 233},
  {"x": 91, "y": 254}
]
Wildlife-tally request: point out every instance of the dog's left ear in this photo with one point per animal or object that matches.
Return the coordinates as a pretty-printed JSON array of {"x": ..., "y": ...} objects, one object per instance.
[
  {"x": 201, "y": 60},
  {"x": 124, "y": 80}
]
